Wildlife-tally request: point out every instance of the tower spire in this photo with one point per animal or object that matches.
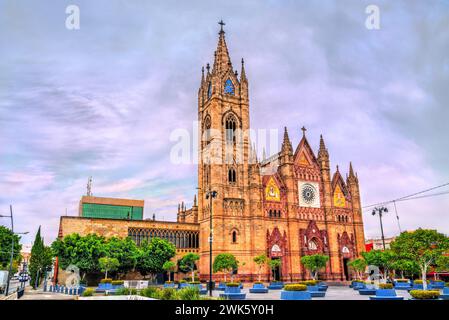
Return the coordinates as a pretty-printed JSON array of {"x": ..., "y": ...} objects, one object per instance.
[
  {"x": 286, "y": 144},
  {"x": 243, "y": 73},
  {"x": 222, "y": 60},
  {"x": 322, "y": 152}
]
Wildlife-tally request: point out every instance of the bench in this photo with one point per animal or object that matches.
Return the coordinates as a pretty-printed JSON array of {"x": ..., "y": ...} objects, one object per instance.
[{"x": 386, "y": 294}]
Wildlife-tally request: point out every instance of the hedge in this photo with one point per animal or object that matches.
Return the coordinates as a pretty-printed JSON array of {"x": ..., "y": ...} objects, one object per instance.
[
  {"x": 232, "y": 284},
  {"x": 308, "y": 282},
  {"x": 117, "y": 282},
  {"x": 402, "y": 280},
  {"x": 295, "y": 287},
  {"x": 88, "y": 292},
  {"x": 425, "y": 294},
  {"x": 419, "y": 281},
  {"x": 107, "y": 280},
  {"x": 385, "y": 286}
]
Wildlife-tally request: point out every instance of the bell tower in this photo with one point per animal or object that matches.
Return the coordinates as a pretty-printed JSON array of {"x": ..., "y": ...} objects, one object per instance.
[{"x": 223, "y": 117}]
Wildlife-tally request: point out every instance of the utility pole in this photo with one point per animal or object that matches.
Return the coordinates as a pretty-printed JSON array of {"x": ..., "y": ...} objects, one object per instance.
[
  {"x": 210, "y": 195},
  {"x": 379, "y": 212}
]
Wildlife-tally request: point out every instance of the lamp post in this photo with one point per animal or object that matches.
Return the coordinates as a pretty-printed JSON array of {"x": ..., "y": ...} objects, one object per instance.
[
  {"x": 12, "y": 246},
  {"x": 379, "y": 212},
  {"x": 210, "y": 195}
]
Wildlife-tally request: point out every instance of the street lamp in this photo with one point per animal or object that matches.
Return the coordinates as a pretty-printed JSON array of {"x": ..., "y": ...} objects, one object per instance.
[
  {"x": 210, "y": 195},
  {"x": 379, "y": 211},
  {"x": 12, "y": 246}
]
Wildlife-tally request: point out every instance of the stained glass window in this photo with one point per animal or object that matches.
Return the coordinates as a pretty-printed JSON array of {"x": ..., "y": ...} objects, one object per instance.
[{"x": 229, "y": 87}]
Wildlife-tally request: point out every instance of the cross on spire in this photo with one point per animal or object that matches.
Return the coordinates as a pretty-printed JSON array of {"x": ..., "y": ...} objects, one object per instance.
[
  {"x": 221, "y": 23},
  {"x": 303, "y": 131}
]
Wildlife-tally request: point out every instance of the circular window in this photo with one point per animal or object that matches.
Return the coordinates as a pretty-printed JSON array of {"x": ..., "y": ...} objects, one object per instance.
[{"x": 308, "y": 194}]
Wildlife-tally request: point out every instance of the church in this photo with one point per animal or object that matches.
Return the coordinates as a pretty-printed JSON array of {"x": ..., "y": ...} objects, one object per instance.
[{"x": 286, "y": 206}]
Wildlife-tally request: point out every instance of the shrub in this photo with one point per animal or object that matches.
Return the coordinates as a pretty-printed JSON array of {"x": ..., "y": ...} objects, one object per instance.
[
  {"x": 295, "y": 287},
  {"x": 276, "y": 281},
  {"x": 182, "y": 281},
  {"x": 402, "y": 280},
  {"x": 167, "y": 294},
  {"x": 89, "y": 292},
  {"x": 107, "y": 280},
  {"x": 308, "y": 282},
  {"x": 385, "y": 286},
  {"x": 117, "y": 282},
  {"x": 437, "y": 281},
  {"x": 447, "y": 284},
  {"x": 195, "y": 282},
  {"x": 425, "y": 294},
  {"x": 188, "y": 293},
  {"x": 122, "y": 292},
  {"x": 358, "y": 280},
  {"x": 149, "y": 292},
  {"x": 232, "y": 284},
  {"x": 258, "y": 282},
  {"x": 168, "y": 282}
]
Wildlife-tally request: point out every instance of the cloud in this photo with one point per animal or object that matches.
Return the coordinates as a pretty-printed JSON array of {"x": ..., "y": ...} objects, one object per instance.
[{"x": 103, "y": 100}]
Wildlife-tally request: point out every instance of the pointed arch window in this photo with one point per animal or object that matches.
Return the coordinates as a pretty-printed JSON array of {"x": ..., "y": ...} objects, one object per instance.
[
  {"x": 230, "y": 126},
  {"x": 234, "y": 236},
  {"x": 229, "y": 87},
  {"x": 209, "y": 90},
  {"x": 232, "y": 176},
  {"x": 207, "y": 133}
]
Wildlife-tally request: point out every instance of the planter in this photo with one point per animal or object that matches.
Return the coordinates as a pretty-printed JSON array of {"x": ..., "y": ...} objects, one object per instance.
[
  {"x": 232, "y": 289},
  {"x": 369, "y": 290},
  {"x": 276, "y": 285},
  {"x": 402, "y": 285},
  {"x": 295, "y": 295},
  {"x": 386, "y": 294},
  {"x": 359, "y": 285},
  {"x": 258, "y": 288},
  {"x": 437, "y": 285},
  {"x": 183, "y": 285},
  {"x": 315, "y": 292},
  {"x": 322, "y": 286},
  {"x": 169, "y": 285},
  {"x": 221, "y": 286}
]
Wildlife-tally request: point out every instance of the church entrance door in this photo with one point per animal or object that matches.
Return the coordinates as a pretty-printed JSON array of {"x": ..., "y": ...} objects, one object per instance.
[
  {"x": 276, "y": 271},
  {"x": 345, "y": 268}
]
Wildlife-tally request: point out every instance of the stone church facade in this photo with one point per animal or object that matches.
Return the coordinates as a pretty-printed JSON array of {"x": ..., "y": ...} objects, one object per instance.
[{"x": 285, "y": 207}]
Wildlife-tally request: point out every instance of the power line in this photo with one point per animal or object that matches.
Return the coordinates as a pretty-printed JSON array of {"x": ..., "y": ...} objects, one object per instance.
[{"x": 409, "y": 197}]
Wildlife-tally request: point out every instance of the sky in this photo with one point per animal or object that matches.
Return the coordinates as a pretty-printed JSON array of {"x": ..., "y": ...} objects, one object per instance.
[{"x": 103, "y": 100}]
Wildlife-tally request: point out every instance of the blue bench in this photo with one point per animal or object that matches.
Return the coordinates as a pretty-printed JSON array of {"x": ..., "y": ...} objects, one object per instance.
[
  {"x": 322, "y": 286},
  {"x": 295, "y": 295},
  {"x": 369, "y": 290},
  {"x": 276, "y": 286},
  {"x": 221, "y": 286},
  {"x": 315, "y": 292},
  {"x": 258, "y": 288},
  {"x": 358, "y": 285},
  {"x": 169, "y": 285},
  {"x": 402, "y": 285},
  {"x": 386, "y": 294},
  {"x": 233, "y": 293},
  {"x": 436, "y": 285},
  {"x": 416, "y": 287}
]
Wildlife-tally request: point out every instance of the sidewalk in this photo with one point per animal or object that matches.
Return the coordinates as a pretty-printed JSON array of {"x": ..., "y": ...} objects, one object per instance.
[{"x": 31, "y": 294}]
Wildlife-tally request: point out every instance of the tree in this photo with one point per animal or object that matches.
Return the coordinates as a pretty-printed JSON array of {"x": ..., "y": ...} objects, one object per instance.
[
  {"x": 314, "y": 263},
  {"x": 108, "y": 264},
  {"x": 6, "y": 238},
  {"x": 152, "y": 256},
  {"x": 169, "y": 266},
  {"x": 41, "y": 259},
  {"x": 358, "y": 265},
  {"x": 125, "y": 251},
  {"x": 188, "y": 262},
  {"x": 383, "y": 259},
  {"x": 83, "y": 252},
  {"x": 424, "y": 247},
  {"x": 226, "y": 263},
  {"x": 273, "y": 264},
  {"x": 261, "y": 261},
  {"x": 405, "y": 266}
]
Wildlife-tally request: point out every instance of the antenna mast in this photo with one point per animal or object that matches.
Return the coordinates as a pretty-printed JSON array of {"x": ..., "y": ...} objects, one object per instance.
[{"x": 89, "y": 186}]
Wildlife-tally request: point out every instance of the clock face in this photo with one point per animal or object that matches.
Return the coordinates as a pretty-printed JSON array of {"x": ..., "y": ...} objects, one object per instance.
[{"x": 308, "y": 193}]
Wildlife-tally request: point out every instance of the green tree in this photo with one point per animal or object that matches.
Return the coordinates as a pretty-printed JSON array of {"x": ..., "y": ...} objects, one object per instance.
[
  {"x": 83, "y": 252},
  {"x": 169, "y": 266},
  {"x": 125, "y": 251},
  {"x": 314, "y": 263},
  {"x": 424, "y": 247},
  {"x": 40, "y": 260},
  {"x": 358, "y": 265},
  {"x": 188, "y": 262},
  {"x": 108, "y": 264},
  {"x": 405, "y": 266},
  {"x": 6, "y": 237},
  {"x": 261, "y": 261},
  {"x": 273, "y": 264},
  {"x": 226, "y": 263},
  {"x": 152, "y": 256},
  {"x": 383, "y": 259}
]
